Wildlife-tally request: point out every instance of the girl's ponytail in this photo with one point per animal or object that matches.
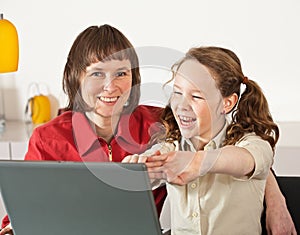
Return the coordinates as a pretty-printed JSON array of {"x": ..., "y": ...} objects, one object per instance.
[{"x": 252, "y": 115}]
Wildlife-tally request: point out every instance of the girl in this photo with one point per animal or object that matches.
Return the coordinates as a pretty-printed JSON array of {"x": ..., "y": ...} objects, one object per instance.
[{"x": 216, "y": 169}]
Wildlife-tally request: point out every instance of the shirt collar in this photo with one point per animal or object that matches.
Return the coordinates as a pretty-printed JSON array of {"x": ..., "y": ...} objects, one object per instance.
[
  {"x": 84, "y": 134},
  {"x": 214, "y": 143},
  {"x": 127, "y": 123},
  {"x": 217, "y": 141},
  {"x": 123, "y": 126}
]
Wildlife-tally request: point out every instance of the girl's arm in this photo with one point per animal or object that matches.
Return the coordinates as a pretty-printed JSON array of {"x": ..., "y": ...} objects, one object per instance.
[
  {"x": 229, "y": 160},
  {"x": 182, "y": 167}
]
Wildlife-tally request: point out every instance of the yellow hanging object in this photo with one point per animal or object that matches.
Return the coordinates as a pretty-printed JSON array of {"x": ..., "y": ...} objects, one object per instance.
[
  {"x": 40, "y": 109},
  {"x": 9, "y": 46}
]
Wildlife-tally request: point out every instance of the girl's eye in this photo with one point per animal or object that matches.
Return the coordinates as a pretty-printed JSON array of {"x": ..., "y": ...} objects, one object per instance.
[
  {"x": 177, "y": 93},
  {"x": 197, "y": 97}
]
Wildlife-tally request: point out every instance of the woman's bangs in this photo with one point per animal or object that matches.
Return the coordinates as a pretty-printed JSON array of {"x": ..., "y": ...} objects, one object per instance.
[{"x": 112, "y": 53}]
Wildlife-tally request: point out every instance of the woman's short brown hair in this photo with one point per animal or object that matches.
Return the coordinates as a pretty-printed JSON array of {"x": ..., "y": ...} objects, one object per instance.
[{"x": 95, "y": 44}]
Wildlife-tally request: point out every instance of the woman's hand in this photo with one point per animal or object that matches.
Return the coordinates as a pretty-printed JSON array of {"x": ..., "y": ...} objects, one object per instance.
[
  {"x": 138, "y": 158},
  {"x": 7, "y": 230},
  {"x": 279, "y": 220},
  {"x": 155, "y": 183},
  {"x": 135, "y": 158}
]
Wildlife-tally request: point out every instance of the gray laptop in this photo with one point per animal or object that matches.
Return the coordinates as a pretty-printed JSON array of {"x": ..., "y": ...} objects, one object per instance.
[{"x": 69, "y": 198}]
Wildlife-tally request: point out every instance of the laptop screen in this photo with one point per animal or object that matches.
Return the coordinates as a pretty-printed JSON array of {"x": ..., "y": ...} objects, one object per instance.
[{"x": 78, "y": 198}]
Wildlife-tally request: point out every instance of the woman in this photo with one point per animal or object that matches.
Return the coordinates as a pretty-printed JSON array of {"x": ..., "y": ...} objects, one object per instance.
[{"x": 103, "y": 121}]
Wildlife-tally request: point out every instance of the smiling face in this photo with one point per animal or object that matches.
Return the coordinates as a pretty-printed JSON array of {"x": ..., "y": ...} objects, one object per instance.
[
  {"x": 106, "y": 87},
  {"x": 196, "y": 102}
]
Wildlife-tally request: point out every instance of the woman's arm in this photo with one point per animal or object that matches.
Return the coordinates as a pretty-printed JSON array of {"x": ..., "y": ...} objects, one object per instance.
[{"x": 278, "y": 218}]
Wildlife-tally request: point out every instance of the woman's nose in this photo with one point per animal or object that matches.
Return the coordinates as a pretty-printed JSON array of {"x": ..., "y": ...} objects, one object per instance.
[{"x": 109, "y": 85}]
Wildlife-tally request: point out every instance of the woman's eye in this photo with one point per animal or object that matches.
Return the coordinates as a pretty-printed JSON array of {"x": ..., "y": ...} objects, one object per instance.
[
  {"x": 97, "y": 74},
  {"x": 121, "y": 74}
]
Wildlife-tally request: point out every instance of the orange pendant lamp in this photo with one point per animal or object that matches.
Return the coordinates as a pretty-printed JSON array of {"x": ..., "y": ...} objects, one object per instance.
[{"x": 9, "y": 46}]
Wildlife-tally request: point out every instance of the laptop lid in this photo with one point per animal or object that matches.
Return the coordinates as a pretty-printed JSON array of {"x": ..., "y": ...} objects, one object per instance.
[{"x": 46, "y": 197}]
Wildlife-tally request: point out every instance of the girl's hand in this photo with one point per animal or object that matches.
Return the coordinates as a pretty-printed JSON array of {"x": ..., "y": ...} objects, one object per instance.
[{"x": 177, "y": 167}]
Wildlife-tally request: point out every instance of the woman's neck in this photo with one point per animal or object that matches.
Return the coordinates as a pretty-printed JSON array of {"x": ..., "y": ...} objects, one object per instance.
[{"x": 104, "y": 126}]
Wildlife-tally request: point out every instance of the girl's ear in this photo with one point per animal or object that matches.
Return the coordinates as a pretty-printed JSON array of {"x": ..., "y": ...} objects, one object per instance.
[{"x": 229, "y": 102}]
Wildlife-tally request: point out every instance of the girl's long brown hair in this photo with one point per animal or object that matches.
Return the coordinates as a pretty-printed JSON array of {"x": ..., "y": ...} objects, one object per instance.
[{"x": 252, "y": 112}]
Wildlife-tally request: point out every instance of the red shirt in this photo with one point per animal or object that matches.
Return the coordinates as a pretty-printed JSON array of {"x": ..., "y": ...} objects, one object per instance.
[{"x": 71, "y": 137}]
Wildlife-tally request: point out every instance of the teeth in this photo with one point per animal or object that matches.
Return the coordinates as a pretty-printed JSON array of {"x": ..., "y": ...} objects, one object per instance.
[
  {"x": 186, "y": 119},
  {"x": 108, "y": 99}
]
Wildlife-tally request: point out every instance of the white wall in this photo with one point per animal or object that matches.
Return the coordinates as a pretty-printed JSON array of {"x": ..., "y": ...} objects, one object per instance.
[{"x": 265, "y": 35}]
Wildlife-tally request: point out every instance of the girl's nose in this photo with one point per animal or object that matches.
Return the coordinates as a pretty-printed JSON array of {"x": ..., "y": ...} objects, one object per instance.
[{"x": 183, "y": 103}]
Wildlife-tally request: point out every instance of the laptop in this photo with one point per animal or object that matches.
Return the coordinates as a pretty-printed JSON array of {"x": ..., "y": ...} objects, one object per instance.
[{"x": 47, "y": 197}]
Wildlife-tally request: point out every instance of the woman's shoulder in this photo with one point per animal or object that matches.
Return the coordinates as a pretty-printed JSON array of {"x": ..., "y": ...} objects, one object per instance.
[
  {"x": 147, "y": 111},
  {"x": 149, "y": 108},
  {"x": 54, "y": 140},
  {"x": 61, "y": 123}
]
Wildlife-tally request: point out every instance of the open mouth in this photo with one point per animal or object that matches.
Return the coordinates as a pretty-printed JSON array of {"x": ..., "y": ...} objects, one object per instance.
[
  {"x": 108, "y": 99},
  {"x": 186, "y": 121}
]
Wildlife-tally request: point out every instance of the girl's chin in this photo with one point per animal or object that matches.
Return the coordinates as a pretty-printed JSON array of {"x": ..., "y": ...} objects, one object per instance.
[{"x": 186, "y": 134}]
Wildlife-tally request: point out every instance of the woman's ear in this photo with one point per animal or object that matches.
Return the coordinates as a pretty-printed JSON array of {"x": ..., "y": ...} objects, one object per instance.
[{"x": 229, "y": 102}]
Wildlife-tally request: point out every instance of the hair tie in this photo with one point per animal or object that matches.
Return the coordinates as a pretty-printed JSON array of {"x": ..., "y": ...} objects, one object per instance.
[{"x": 245, "y": 80}]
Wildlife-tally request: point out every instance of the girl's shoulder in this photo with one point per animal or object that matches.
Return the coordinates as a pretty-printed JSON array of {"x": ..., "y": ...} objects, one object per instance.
[
  {"x": 249, "y": 137},
  {"x": 254, "y": 143}
]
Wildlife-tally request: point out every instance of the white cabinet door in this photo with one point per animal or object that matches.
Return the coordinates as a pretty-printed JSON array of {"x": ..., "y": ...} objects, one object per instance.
[
  {"x": 4, "y": 150},
  {"x": 18, "y": 150},
  {"x": 13, "y": 145}
]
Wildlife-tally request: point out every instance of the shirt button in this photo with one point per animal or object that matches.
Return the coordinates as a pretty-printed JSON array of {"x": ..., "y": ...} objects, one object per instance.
[
  {"x": 195, "y": 214},
  {"x": 193, "y": 185}
]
